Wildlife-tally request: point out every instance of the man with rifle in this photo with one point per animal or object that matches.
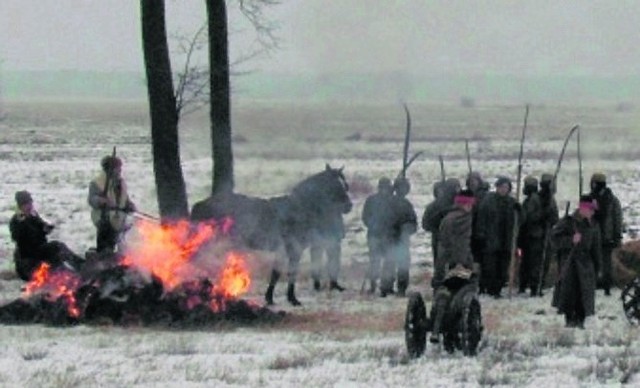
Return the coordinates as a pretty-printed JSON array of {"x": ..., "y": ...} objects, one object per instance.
[
  {"x": 549, "y": 219},
  {"x": 110, "y": 202},
  {"x": 531, "y": 237}
]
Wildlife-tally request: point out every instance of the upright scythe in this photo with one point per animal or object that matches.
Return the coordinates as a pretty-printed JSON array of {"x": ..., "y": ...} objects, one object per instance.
[
  {"x": 406, "y": 160},
  {"x": 553, "y": 186},
  {"x": 516, "y": 216}
]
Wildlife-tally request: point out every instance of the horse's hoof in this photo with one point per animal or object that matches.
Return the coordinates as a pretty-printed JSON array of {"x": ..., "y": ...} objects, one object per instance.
[
  {"x": 268, "y": 296},
  {"x": 335, "y": 286}
]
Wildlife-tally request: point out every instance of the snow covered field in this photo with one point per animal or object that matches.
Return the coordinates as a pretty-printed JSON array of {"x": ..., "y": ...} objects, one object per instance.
[{"x": 335, "y": 339}]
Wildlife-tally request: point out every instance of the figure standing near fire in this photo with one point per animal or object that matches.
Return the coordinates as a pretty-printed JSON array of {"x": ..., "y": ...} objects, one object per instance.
[
  {"x": 29, "y": 231},
  {"x": 110, "y": 202},
  {"x": 608, "y": 216}
]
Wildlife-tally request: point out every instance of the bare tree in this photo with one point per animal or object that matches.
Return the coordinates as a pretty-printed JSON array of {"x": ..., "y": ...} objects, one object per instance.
[
  {"x": 219, "y": 85},
  {"x": 172, "y": 196}
]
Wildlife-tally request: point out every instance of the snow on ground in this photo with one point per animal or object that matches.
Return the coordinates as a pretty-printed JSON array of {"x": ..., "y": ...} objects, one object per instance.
[{"x": 335, "y": 339}]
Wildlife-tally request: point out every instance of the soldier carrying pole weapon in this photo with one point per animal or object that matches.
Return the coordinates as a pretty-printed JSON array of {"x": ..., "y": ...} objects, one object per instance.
[
  {"x": 547, "y": 232},
  {"x": 516, "y": 221}
]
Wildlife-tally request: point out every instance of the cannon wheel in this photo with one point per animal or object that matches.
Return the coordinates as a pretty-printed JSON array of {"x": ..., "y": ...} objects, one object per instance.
[
  {"x": 471, "y": 328},
  {"x": 631, "y": 301},
  {"x": 415, "y": 325}
]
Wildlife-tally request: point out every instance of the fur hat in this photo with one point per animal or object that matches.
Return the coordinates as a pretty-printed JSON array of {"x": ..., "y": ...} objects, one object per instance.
[
  {"x": 546, "y": 177},
  {"x": 587, "y": 200},
  {"x": 502, "y": 180},
  {"x": 599, "y": 177},
  {"x": 109, "y": 162},
  {"x": 23, "y": 197},
  {"x": 401, "y": 185},
  {"x": 384, "y": 183},
  {"x": 530, "y": 180}
]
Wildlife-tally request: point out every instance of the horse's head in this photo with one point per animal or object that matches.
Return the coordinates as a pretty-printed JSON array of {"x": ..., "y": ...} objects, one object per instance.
[
  {"x": 326, "y": 191},
  {"x": 337, "y": 188}
]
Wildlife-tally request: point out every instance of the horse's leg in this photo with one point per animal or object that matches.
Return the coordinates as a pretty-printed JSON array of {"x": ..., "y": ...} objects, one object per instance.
[
  {"x": 294, "y": 251},
  {"x": 316, "y": 251},
  {"x": 276, "y": 271},
  {"x": 334, "y": 251}
]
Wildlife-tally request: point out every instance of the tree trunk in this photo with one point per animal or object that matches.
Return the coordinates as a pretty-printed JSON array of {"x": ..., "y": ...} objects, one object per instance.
[
  {"x": 172, "y": 196},
  {"x": 220, "y": 101}
]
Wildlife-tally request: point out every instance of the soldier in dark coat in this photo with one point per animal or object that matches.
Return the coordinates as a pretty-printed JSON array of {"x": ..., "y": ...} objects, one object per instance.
[
  {"x": 378, "y": 217},
  {"x": 496, "y": 216},
  {"x": 479, "y": 188},
  {"x": 29, "y": 231},
  {"x": 405, "y": 224},
  {"x": 579, "y": 237},
  {"x": 454, "y": 257},
  {"x": 550, "y": 218},
  {"x": 608, "y": 216},
  {"x": 531, "y": 237},
  {"x": 444, "y": 193}
]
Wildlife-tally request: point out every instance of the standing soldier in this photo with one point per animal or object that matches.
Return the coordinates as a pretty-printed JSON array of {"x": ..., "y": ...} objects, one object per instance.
[
  {"x": 454, "y": 255},
  {"x": 479, "y": 188},
  {"x": 444, "y": 193},
  {"x": 405, "y": 224},
  {"x": 579, "y": 235},
  {"x": 378, "y": 218},
  {"x": 550, "y": 218},
  {"x": 608, "y": 216},
  {"x": 531, "y": 237},
  {"x": 109, "y": 201},
  {"x": 496, "y": 216}
]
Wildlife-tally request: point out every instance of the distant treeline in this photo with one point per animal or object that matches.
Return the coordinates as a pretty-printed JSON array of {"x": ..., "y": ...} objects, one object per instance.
[{"x": 482, "y": 89}]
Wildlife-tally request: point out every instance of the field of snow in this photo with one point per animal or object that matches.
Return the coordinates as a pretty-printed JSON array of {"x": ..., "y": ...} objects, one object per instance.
[{"x": 334, "y": 339}]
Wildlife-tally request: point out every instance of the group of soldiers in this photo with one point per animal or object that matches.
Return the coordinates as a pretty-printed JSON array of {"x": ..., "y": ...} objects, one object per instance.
[{"x": 472, "y": 234}]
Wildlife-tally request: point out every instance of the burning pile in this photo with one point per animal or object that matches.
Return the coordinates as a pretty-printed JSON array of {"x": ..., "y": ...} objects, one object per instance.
[{"x": 178, "y": 274}]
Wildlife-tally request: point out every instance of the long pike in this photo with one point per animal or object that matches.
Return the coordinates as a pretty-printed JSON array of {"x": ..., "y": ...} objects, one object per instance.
[{"x": 516, "y": 216}]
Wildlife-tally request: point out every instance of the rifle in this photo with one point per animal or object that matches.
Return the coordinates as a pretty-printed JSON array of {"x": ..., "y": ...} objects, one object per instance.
[
  {"x": 516, "y": 216},
  {"x": 466, "y": 148},
  {"x": 103, "y": 209}
]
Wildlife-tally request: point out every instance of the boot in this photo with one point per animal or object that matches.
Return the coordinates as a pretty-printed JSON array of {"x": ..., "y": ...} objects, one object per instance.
[
  {"x": 333, "y": 285},
  {"x": 316, "y": 285},
  {"x": 291, "y": 295}
]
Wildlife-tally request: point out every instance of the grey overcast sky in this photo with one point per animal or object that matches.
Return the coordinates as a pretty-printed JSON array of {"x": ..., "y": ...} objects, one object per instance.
[{"x": 528, "y": 37}]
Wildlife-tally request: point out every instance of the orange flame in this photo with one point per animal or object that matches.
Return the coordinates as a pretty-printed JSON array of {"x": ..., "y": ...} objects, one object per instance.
[
  {"x": 234, "y": 279},
  {"x": 55, "y": 285},
  {"x": 168, "y": 252}
]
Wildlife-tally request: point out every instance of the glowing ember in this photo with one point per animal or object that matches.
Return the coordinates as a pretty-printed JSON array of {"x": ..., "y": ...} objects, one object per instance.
[{"x": 55, "y": 285}]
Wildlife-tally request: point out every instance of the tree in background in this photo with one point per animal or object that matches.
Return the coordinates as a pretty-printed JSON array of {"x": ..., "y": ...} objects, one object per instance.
[
  {"x": 172, "y": 194},
  {"x": 166, "y": 104}
]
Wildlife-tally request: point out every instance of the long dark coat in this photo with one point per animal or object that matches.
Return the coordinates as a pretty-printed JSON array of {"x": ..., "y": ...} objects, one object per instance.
[{"x": 578, "y": 263}]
